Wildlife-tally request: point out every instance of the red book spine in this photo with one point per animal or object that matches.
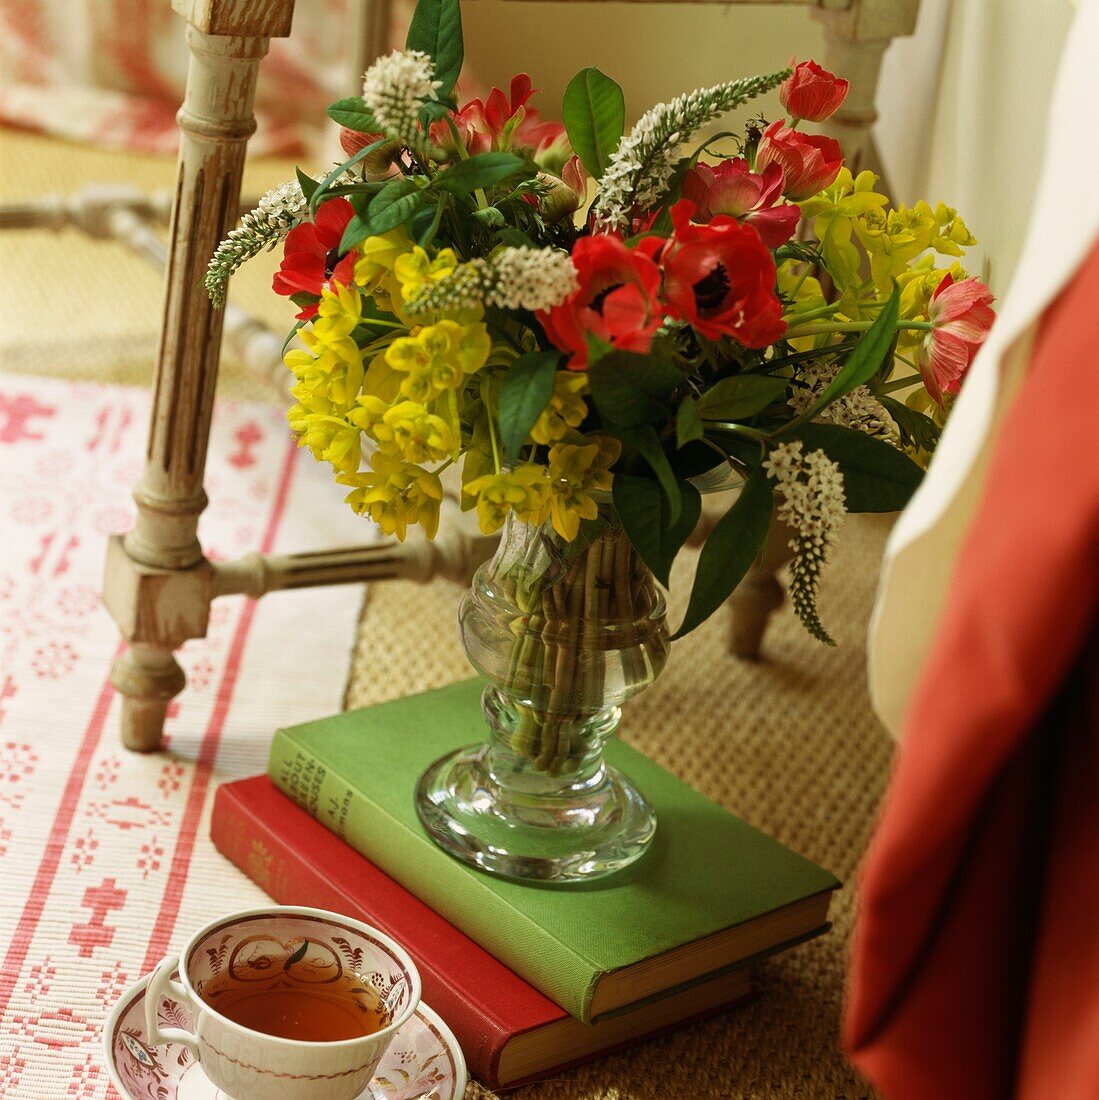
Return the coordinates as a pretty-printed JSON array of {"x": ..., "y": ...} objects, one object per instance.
[{"x": 297, "y": 861}]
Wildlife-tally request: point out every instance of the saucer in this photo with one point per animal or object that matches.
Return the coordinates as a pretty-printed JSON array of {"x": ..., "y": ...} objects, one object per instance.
[{"x": 424, "y": 1061}]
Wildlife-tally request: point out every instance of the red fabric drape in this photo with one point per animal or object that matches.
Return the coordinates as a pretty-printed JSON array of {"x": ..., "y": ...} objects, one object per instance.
[{"x": 975, "y": 973}]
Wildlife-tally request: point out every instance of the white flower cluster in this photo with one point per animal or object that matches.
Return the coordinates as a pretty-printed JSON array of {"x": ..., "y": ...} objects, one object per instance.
[
  {"x": 513, "y": 278},
  {"x": 859, "y": 409},
  {"x": 395, "y": 87},
  {"x": 642, "y": 166},
  {"x": 282, "y": 206},
  {"x": 277, "y": 213},
  {"x": 812, "y": 505},
  {"x": 532, "y": 278}
]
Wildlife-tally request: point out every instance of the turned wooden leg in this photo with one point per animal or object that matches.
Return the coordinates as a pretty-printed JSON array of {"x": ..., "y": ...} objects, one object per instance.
[
  {"x": 148, "y": 679},
  {"x": 857, "y": 37},
  {"x": 759, "y": 595},
  {"x": 158, "y": 585}
]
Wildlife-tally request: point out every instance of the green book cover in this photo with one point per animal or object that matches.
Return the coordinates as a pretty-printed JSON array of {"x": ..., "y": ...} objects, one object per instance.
[{"x": 706, "y": 871}]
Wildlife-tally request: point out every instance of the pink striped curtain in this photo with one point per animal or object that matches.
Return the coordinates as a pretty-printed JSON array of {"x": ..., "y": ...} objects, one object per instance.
[{"x": 112, "y": 71}]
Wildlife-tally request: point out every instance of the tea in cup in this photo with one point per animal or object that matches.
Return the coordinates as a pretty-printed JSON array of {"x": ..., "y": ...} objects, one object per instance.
[{"x": 288, "y": 1003}]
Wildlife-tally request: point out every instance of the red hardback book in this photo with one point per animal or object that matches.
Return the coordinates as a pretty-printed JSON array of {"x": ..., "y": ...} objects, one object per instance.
[{"x": 509, "y": 1032}]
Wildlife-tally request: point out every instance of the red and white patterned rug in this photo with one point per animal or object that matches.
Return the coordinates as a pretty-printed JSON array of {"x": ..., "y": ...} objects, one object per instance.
[{"x": 105, "y": 861}]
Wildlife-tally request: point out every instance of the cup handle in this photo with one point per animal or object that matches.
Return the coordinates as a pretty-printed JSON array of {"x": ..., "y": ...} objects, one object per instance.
[{"x": 160, "y": 985}]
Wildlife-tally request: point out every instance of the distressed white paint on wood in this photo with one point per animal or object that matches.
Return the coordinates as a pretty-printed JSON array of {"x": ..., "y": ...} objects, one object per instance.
[{"x": 158, "y": 585}]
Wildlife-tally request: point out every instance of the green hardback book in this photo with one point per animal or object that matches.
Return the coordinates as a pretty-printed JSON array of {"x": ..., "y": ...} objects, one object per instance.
[{"x": 710, "y": 893}]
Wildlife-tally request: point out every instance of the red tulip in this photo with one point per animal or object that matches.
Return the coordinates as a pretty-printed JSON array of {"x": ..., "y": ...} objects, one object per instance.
[
  {"x": 962, "y": 314},
  {"x": 809, "y": 162},
  {"x": 351, "y": 141},
  {"x": 720, "y": 279},
  {"x": 733, "y": 188},
  {"x": 310, "y": 257},
  {"x": 812, "y": 93},
  {"x": 616, "y": 299}
]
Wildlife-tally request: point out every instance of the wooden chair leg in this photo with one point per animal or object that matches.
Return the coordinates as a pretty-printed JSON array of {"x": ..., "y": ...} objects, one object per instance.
[
  {"x": 758, "y": 596},
  {"x": 148, "y": 679},
  {"x": 158, "y": 585},
  {"x": 857, "y": 36}
]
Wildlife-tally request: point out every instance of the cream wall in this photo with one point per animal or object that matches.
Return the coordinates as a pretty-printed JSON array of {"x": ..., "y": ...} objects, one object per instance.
[
  {"x": 963, "y": 108},
  {"x": 654, "y": 50},
  {"x": 962, "y": 103}
]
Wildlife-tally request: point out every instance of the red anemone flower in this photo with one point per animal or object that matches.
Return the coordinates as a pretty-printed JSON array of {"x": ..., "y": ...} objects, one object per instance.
[
  {"x": 962, "y": 314},
  {"x": 616, "y": 299},
  {"x": 733, "y": 188},
  {"x": 310, "y": 257},
  {"x": 720, "y": 279}
]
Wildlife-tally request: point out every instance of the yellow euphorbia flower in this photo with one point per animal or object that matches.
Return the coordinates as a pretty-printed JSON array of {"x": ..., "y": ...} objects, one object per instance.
[
  {"x": 439, "y": 357},
  {"x": 328, "y": 435},
  {"x": 566, "y": 408},
  {"x": 801, "y": 294},
  {"x": 374, "y": 267},
  {"x": 834, "y": 210},
  {"x": 418, "y": 434},
  {"x": 407, "y": 430},
  {"x": 894, "y": 238},
  {"x": 333, "y": 363},
  {"x": 576, "y": 471},
  {"x": 954, "y": 236},
  {"x": 415, "y": 269},
  {"x": 394, "y": 494},
  {"x": 369, "y": 415},
  {"x": 524, "y": 491}
]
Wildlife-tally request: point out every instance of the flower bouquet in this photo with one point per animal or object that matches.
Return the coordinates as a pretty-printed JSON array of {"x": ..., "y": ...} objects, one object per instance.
[{"x": 733, "y": 309}]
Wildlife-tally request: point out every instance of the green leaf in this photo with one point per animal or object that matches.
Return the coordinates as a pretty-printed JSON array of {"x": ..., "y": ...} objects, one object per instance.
[
  {"x": 860, "y": 366},
  {"x": 514, "y": 238},
  {"x": 433, "y": 112},
  {"x": 734, "y": 543},
  {"x": 917, "y": 429},
  {"x": 321, "y": 191},
  {"x": 740, "y": 396},
  {"x": 291, "y": 334},
  {"x": 391, "y": 193},
  {"x": 355, "y": 115},
  {"x": 484, "y": 170},
  {"x": 594, "y": 111},
  {"x": 643, "y": 509},
  {"x": 630, "y": 389},
  {"x": 697, "y": 458},
  {"x": 436, "y": 29},
  {"x": 876, "y": 476},
  {"x": 307, "y": 184},
  {"x": 647, "y": 443},
  {"x": 393, "y": 205},
  {"x": 394, "y": 213},
  {"x": 688, "y": 423},
  {"x": 524, "y": 392}
]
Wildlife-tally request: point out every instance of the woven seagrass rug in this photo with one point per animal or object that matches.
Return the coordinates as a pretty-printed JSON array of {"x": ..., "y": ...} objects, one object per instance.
[{"x": 789, "y": 743}]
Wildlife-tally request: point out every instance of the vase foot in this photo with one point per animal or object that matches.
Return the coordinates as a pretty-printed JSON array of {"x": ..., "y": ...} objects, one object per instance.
[{"x": 584, "y": 834}]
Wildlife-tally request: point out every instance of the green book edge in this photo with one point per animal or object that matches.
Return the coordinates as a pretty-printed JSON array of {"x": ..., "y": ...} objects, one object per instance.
[{"x": 356, "y": 772}]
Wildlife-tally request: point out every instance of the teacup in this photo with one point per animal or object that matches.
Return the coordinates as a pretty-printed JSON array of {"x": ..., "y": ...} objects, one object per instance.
[{"x": 288, "y": 951}]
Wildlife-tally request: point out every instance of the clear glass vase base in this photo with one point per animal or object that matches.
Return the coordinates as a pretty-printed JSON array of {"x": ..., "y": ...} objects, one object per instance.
[{"x": 584, "y": 833}]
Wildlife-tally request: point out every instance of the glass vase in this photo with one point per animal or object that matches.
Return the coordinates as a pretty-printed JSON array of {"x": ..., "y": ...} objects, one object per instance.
[{"x": 564, "y": 633}]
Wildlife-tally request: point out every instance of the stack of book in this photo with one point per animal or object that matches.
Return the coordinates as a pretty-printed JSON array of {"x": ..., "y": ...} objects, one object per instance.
[{"x": 531, "y": 979}]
